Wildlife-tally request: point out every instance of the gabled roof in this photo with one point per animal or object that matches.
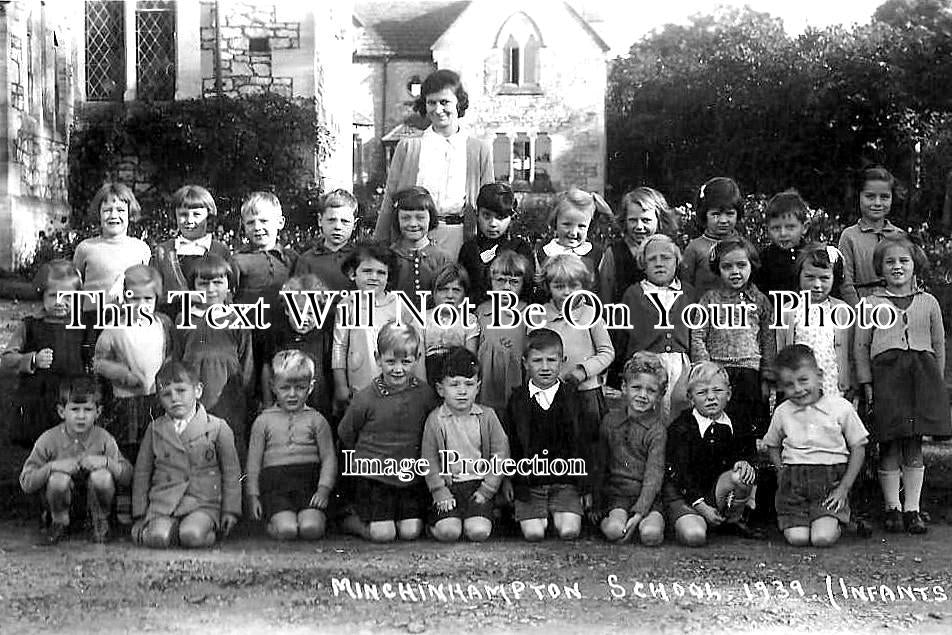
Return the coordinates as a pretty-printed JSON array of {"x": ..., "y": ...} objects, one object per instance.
[{"x": 404, "y": 28}]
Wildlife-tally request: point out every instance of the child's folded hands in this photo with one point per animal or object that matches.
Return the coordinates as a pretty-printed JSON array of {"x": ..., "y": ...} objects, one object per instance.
[{"x": 445, "y": 505}]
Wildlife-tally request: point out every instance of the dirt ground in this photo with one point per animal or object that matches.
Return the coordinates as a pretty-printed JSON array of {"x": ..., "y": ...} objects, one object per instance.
[{"x": 250, "y": 584}]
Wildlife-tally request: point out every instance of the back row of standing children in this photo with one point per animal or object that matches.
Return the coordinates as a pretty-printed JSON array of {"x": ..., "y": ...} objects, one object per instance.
[{"x": 234, "y": 369}]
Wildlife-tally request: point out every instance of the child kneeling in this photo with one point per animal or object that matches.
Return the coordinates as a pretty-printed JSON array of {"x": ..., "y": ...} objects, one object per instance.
[
  {"x": 543, "y": 421},
  {"x": 633, "y": 445},
  {"x": 462, "y": 498},
  {"x": 76, "y": 454},
  {"x": 186, "y": 483},
  {"x": 817, "y": 443},
  {"x": 383, "y": 429},
  {"x": 709, "y": 462},
  {"x": 292, "y": 464}
]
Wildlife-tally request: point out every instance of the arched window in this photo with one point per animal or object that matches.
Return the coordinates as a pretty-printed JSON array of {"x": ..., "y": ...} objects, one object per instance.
[{"x": 519, "y": 43}]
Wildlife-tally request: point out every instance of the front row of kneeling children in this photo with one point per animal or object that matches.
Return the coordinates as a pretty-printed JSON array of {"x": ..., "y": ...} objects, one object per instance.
[{"x": 697, "y": 474}]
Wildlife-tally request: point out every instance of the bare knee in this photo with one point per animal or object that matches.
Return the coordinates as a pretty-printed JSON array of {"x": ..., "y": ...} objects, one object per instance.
[
  {"x": 382, "y": 531},
  {"x": 478, "y": 529},
  {"x": 652, "y": 535},
  {"x": 612, "y": 529},
  {"x": 157, "y": 534},
  {"x": 569, "y": 532},
  {"x": 409, "y": 529},
  {"x": 447, "y": 531},
  {"x": 797, "y": 536},
  {"x": 824, "y": 538},
  {"x": 102, "y": 483},
  {"x": 312, "y": 527},
  {"x": 691, "y": 531},
  {"x": 533, "y": 530},
  {"x": 58, "y": 485},
  {"x": 283, "y": 530}
]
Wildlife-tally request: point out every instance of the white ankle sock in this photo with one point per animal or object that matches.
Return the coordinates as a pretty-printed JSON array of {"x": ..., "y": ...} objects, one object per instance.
[
  {"x": 912, "y": 486},
  {"x": 889, "y": 482}
]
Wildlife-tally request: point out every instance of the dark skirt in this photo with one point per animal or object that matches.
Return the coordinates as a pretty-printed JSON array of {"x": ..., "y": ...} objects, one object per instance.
[{"x": 909, "y": 396}]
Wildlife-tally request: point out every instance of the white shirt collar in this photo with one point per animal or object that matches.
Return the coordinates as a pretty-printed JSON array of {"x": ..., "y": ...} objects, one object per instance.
[
  {"x": 651, "y": 286},
  {"x": 553, "y": 248},
  {"x": 455, "y": 139},
  {"x": 181, "y": 424},
  {"x": 703, "y": 423},
  {"x": 548, "y": 394},
  {"x": 197, "y": 247}
]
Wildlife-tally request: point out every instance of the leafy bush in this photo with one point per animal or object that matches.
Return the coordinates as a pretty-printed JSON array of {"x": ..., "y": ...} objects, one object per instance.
[{"x": 231, "y": 146}]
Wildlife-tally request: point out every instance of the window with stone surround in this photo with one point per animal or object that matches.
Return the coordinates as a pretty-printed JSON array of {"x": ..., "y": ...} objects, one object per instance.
[
  {"x": 155, "y": 50},
  {"x": 519, "y": 43},
  {"x": 105, "y": 50},
  {"x": 524, "y": 160},
  {"x": 151, "y": 58}
]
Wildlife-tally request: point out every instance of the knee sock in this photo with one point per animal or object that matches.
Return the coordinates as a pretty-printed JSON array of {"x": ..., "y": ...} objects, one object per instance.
[
  {"x": 912, "y": 486},
  {"x": 889, "y": 482}
]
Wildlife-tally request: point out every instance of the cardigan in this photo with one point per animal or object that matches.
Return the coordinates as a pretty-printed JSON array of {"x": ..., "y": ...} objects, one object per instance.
[
  {"x": 382, "y": 424},
  {"x": 531, "y": 429},
  {"x": 857, "y": 243},
  {"x": 176, "y": 475},
  {"x": 645, "y": 316},
  {"x": 694, "y": 463},
  {"x": 174, "y": 275},
  {"x": 326, "y": 265},
  {"x": 403, "y": 175},
  {"x": 280, "y": 438},
  {"x": 917, "y": 328},
  {"x": 617, "y": 271},
  {"x": 778, "y": 269},
  {"x": 492, "y": 442},
  {"x": 632, "y": 452},
  {"x": 753, "y": 347},
  {"x": 57, "y": 443}
]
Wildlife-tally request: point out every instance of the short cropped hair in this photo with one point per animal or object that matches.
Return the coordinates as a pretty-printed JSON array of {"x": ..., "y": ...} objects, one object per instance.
[
  {"x": 118, "y": 191},
  {"x": 305, "y": 282},
  {"x": 822, "y": 257},
  {"x": 794, "y": 357},
  {"x": 212, "y": 266},
  {"x": 661, "y": 240},
  {"x": 735, "y": 243},
  {"x": 567, "y": 268},
  {"x": 705, "y": 372},
  {"x": 370, "y": 250},
  {"x": 919, "y": 259},
  {"x": 336, "y": 198},
  {"x": 460, "y": 362},
  {"x": 192, "y": 197},
  {"x": 646, "y": 363},
  {"x": 174, "y": 371},
  {"x": 413, "y": 199},
  {"x": 398, "y": 338},
  {"x": 451, "y": 272},
  {"x": 720, "y": 192},
  {"x": 498, "y": 198},
  {"x": 787, "y": 203},
  {"x": 258, "y": 200},
  {"x": 142, "y": 275},
  {"x": 56, "y": 271},
  {"x": 543, "y": 340},
  {"x": 648, "y": 199},
  {"x": 293, "y": 364},
  {"x": 437, "y": 81},
  {"x": 80, "y": 389}
]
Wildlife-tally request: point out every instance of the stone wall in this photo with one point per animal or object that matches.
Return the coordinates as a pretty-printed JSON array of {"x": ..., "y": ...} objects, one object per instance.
[
  {"x": 250, "y": 34},
  {"x": 568, "y": 105},
  {"x": 38, "y": 79}
]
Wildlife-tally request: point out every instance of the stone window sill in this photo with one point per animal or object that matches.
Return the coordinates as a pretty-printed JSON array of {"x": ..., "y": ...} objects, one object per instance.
[{"x": 514, "y": 89}]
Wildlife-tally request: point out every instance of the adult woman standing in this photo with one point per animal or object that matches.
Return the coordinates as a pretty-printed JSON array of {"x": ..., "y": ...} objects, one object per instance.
[{"x": 450, "y": 164}]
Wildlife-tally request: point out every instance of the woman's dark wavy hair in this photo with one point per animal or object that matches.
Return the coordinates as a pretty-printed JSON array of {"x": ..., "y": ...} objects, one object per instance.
[{"x": 437, "y": 81}]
